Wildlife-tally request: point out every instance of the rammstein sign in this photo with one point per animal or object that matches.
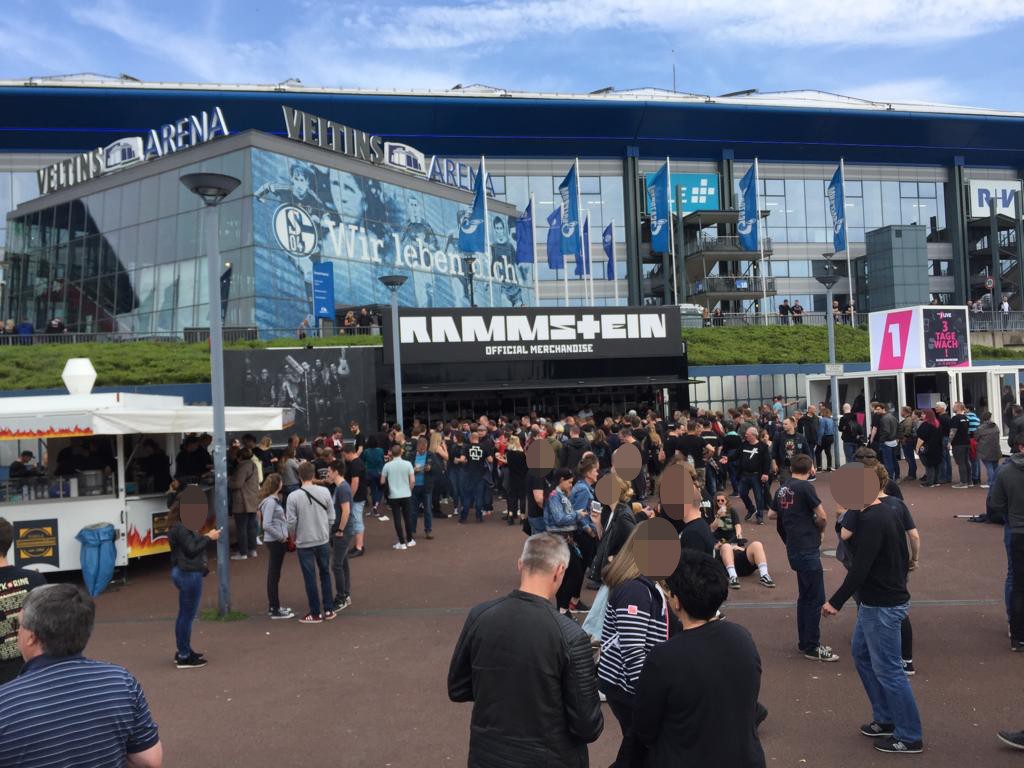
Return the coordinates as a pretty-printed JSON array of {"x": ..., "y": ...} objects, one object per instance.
[{"x": 478, "y": 335}]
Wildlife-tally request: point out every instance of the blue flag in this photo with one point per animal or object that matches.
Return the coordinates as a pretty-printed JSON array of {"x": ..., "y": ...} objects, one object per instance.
[
  {"x": 837, "y": 207},
  {"x": 583, "y": 261},
  {"x": 473, "y": 223},
  {"x": 608, "y": 240},
  {"x": 524, "y": 236},
  {"x": 555, "y": 258},
  {"x": 658, "y": 208},
  {"x": 748, "y": 223},
  {"x": 570, "y": 212}
]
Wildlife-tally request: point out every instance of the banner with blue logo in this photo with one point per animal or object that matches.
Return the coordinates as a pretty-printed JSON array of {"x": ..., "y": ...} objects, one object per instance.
[
  {"x": 570, "y": 213},
  {"x": 747, "y": 226},
  {"x": 323, "y": 290},
  {"x": 583, "y": 263},
  {"x": 658, "y": 209},
  {"x": 837, "y": 207},
  {"x": 555, "y": 258},
  {"x": 608, "y": 241},
  {"x": 696, "y": 191},
  {"x": 524, "y": 236},
  {"x": 472, "y": 229}
]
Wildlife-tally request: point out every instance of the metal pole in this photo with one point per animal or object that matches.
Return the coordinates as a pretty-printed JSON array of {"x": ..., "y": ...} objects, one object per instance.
[
  {"x": 846, "y": 237},
  {"x": 615, "y": 271},
  {"x": 834, "y": 379},
  {"x": 760, "y": 243},
  {"x": 396, "y": 343},
  {"x": 220, "y": 462},
  {"x": 533, "y": 257},
  {"x": 671, "y": 230}
]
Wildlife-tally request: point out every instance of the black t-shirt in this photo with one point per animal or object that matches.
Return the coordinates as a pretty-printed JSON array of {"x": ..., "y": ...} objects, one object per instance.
[
  {"x": 945, "y": 423},
  {"x": 726, "y": 530},
  {"x": 535, "y": 483},
  {"x": 356, "y": 468},
  {"x": 359, "y": 441},
  {"x": 476, "y": 459},
  {"x": 321, "y": 468},
  {"x": 795, "y": 502},
  {"x": 784, "y": 309},
  {"x": 961, "y": 425},
  {"x": 697, "y": 535},
  {"x": 710, "y": 437},
  {"x": 732, "y": 444},
  {"x": 692, "y": 446},
  {"x": 15, "y": 584}
]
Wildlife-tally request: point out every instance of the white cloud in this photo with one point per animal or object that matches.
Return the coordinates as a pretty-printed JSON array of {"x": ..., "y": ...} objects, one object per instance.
[
  {"x": 932, "y": 90},
  {"x": 786, "y": 23}
]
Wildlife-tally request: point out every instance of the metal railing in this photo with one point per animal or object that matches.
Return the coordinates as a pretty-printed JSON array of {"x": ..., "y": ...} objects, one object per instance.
[
  {"x": 997, "y": 321},
  {"x": 745, "y": 284},
  {"x": 729, "y": 320},
  {"x": 705, "y": 242}
]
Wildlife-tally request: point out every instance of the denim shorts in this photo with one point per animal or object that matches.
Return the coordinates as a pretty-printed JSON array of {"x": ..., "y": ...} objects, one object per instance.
[{"x": 356, "y": 511}]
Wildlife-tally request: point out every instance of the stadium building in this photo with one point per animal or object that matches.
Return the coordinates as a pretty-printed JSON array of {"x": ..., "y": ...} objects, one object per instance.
[{"x": 99, "y": 232}]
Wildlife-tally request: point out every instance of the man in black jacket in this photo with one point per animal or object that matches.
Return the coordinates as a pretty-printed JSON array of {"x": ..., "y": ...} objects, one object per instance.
[
  {"x": 529, "y": 672},
  {"x": 879, "y": 575},
  {"x": 788, "y": 444},
  {"x": 755, "y": 464}
]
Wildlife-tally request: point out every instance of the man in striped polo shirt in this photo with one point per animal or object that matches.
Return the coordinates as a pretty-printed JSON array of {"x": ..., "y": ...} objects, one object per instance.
[{"x": 64, "y": 709}]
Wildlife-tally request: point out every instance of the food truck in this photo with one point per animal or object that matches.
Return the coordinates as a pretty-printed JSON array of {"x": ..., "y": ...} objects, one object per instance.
[{"x": 102, "y": 458}]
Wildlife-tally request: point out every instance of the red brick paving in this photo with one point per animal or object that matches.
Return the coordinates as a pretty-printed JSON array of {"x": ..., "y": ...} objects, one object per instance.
[{"x": 369, "y": 688}]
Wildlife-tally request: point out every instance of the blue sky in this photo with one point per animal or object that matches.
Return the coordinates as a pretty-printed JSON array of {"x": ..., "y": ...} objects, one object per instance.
[{"x": 949, "y": 51}]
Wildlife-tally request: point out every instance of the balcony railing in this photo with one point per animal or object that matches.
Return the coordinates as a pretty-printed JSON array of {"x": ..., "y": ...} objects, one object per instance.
[
  {"x": 752, "y": 285},
  {"x": 817, "y": 319},
  {"x": 725, "y": 243}
]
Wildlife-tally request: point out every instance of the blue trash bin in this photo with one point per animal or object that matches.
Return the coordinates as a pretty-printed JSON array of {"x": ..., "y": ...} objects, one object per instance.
[{"x": 99, "y": 554}]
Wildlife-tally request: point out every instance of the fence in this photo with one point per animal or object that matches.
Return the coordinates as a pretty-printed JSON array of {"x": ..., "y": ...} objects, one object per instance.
[
  {"x": 189, "y": 335},
  {"x": 817, "y": 319}
]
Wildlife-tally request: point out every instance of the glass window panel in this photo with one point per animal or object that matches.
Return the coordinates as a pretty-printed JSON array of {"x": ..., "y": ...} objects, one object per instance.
[
  {"x": 149, "y": 198},
  {"x": 910, "y": 213},
  {"x": 498, "y": 183},
  {"x": 891, "y": 208},
  {"x": 166, "y": 239},
  {"x": 817, "y": 203},
  {"x": 110, "y": 210},
  {"x": 145, "y": 280},
  {"x": 130, "y": 204},
  {"x": 517, "y": 191},
  {"x": 799, "y": 268},
  {"x": 169, "y": 185},
  {"x": 187, "y": 201},
  {"x": 774, "y": 187},
  {"x": 145, "y": 252},
  {"x": 853, "y": 188},
  {"x": 856, "y": 234},
  {"x": 794, "y": 235},
  {"x": 926, "y": 188},
  {"x": 854, "y": 212},
  {"x": 908, "y": 189},
  {"x": 872, "y": 204},
  {"x": 613, "y": 204},
  {"x": 796, "y": 211},
  {"x": 93, "y": 248},
  {"x": 819, "y": 235},
  {"x": 25, "y": 187},
  {"x": 590, "y": 185},
  {"x": 230, "y": 225},
  {"x": 61, "y": 223},
  {"x": 46, "y": 236}
]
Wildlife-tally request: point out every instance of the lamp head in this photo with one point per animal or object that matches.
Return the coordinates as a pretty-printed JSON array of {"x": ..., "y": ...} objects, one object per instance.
[
  {"x": 212, "y": 187},
  {"x": 393, "y": 282}
]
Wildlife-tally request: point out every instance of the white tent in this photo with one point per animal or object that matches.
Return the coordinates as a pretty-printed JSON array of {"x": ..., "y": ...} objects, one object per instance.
[{"x": 122, "y": 413}]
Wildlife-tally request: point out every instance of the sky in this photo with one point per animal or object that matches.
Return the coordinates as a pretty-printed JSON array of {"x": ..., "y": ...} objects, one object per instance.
[{"x": 940, "y": 51}]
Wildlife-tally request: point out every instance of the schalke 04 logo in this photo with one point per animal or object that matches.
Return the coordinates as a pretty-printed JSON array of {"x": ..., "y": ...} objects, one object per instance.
[{"x": 295, "y": 230}]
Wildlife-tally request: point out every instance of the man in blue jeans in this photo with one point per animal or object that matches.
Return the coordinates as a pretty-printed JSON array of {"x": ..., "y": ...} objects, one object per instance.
[
  {"x": 755, "y": 464},
  {"x": 879, "y": 574},
  {"x": 475, "y": 460},
  {"x": 800, "y": 519},
  {"x": 310, "y": 515}
]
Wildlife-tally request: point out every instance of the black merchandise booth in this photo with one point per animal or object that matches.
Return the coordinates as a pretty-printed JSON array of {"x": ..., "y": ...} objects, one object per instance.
[
  {"x": 461, "y": 363},
  {"x": 465, "y": 362}
]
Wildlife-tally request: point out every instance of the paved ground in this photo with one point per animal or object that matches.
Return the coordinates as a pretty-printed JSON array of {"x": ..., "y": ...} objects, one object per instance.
[{"x": 369, "y": 688}]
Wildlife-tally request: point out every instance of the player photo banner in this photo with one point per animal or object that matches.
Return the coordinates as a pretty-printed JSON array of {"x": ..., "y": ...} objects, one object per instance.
[{"x": 305, "y": 214}]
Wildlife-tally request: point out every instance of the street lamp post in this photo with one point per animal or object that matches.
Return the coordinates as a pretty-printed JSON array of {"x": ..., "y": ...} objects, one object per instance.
[
  {"x": 393, "y": 283},
  {"x": 829, "y": 278},
  {"x": 212, "y": 188}
]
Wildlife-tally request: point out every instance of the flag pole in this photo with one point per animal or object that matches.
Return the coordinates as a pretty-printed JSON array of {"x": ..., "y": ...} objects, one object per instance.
[
  {"x": 533, "y": 242},
  {"x": 846, "y": 236},
  {"x": 760, "y": 242},
  {"x": 671, "y": 230},
  {"x": 615, "y": 275},
  {"x": 481, "y": 178},
  {"x": 579, "y": 222}
]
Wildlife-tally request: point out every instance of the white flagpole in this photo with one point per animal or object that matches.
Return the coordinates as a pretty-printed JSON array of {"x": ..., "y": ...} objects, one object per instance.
[
  {"x": 846, "y": 234},
  {"x": 615, "y": 273},
  {"x": 533, "y": 239},
  {"x": 579, "y": 222},
  {"x": 588, "y": 284},
  {"x": 760, "y": 242},
  {"x": 671, "y": 232},
  {"x": 481, "y": 178}
]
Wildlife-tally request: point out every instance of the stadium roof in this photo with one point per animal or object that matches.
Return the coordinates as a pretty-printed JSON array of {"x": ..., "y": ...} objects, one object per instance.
[{"x": 805, "y": 99}]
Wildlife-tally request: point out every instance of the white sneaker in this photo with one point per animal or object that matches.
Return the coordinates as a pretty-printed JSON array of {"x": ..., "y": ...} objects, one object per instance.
[
  {"x": 601, "y": 696},
  {"x": 411, "y": 543},
  {"x": 398, "y": 545},
  {"x": 383, "y": 518},
  {"x": 239, "y": 557},
  {"x": 259, "y": 541}
]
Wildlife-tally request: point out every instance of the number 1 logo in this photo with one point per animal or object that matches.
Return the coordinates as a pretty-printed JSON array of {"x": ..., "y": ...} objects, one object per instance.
[{"x": 893, "y": 354}]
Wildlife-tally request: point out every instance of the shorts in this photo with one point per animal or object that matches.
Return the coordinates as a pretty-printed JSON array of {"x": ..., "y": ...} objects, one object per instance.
[
  {"x": 356, "y": 511},
  {"x": 743, "y": 566}
]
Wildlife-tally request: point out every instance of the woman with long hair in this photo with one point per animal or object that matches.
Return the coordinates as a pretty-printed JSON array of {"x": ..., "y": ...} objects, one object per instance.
[
  {"x": 826, "y": 439},
  {"x": 929, "y": 447},
  {"x": 288, "y": 467},
  {"x": 188, "y": 568},
  {"x": 636, "y": 619},
  {"x": 515, "y": 458},
  {"x": 439, "y": 450},
  {"x": 275, "y": 538},
  {"x": 654, "y": 449}
]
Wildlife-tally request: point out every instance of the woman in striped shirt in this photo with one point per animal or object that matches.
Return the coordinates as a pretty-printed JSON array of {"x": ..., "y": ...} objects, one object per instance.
[{"x": 637, "y": 618}]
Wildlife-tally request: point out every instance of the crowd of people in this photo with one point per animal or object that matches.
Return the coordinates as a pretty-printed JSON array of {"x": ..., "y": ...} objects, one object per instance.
[{"x": 655, "y": 647}]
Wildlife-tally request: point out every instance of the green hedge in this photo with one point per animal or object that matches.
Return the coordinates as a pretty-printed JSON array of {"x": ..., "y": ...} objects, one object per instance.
[{"x": 141, "y": 362}]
